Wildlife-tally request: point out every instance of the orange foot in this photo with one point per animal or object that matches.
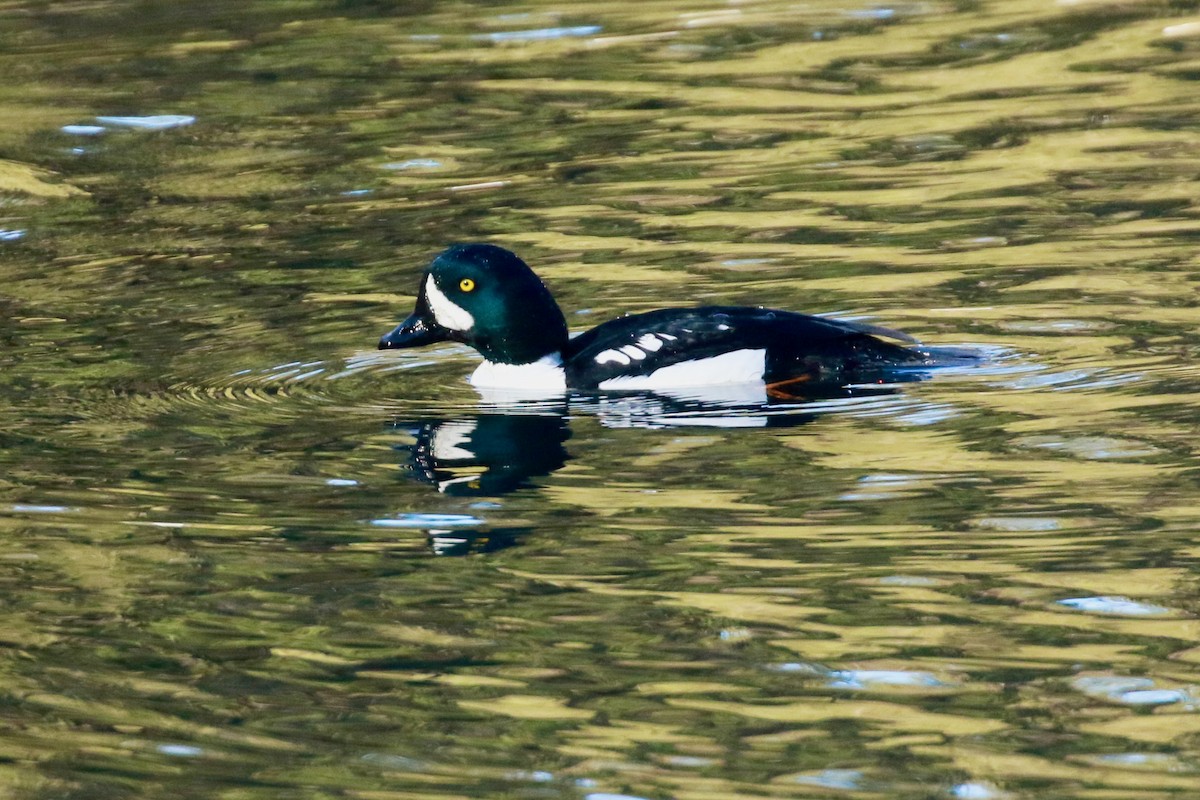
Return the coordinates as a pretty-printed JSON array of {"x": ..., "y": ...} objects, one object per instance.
[{"x": 777, "y": 391}]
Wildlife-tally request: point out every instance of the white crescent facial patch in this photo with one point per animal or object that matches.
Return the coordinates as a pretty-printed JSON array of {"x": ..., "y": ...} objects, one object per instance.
[{"x": 445, "y": 312}]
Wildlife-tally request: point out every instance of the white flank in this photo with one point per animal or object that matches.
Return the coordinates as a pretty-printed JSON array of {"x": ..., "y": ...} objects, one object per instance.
[
  {"x": 545, "y": 374},
  {"x": 448, "y": 440},
  {"x": 445, "y": 311},
  {"x": 612, "y": 357},
  {"x": 738, "y": 366}
]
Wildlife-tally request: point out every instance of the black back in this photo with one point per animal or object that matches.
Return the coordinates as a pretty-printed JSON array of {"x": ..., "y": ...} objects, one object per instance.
[{"x": 795, "y": 344}]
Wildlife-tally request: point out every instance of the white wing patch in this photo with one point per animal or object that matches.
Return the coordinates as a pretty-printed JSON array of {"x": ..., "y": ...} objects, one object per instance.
[
  {"x": 447, "y": 313},
  {"x": 650, "y": 343},
  {"x": 737, "y": 366},
  {"x": 612, "y": 357},
  {"x": 628, "y": 353}
]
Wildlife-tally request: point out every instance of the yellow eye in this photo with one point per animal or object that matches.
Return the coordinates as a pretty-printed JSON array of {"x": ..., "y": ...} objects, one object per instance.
[{"x": 466, "y": 284}]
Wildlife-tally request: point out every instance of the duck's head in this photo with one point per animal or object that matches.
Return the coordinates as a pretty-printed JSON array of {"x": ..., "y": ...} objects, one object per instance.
[{"x": 487, "y": 297}]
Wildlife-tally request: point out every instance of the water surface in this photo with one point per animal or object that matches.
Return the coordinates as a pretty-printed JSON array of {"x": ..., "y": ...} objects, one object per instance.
[{"x": 245, "y": 555}]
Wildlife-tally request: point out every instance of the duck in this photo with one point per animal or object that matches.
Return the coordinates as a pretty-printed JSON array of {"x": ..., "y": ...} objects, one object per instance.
[{"x": 486, "y": 297}]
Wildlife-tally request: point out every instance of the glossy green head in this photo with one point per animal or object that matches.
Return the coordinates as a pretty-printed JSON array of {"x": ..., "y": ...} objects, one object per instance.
[{"x": 487, "y": 297}]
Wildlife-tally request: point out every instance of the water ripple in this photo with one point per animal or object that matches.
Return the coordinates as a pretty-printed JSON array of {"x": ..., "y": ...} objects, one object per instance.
[
  {"x": 1132, "y": 691},
  {"x": 1118, "y": 606}
]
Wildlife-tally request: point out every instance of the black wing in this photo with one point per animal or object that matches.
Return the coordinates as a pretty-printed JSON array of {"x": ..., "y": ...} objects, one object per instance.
[{"x": 794, "y": 343}]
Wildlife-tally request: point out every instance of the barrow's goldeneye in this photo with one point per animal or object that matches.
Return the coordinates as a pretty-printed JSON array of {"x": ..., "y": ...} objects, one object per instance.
[{"x": 488, "y": 298}]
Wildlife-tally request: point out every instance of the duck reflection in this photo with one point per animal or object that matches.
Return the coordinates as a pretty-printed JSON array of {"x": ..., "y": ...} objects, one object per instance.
[
  {"x": 510, "y": 441},
  {"x": 461, "y": 543},
  {"x": 489, "y": 453}
]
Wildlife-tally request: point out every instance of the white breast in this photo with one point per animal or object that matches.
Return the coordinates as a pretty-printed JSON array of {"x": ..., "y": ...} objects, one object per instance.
[
  {"x": 544, "y": 375},
  {"x": 737, "y": 366}
]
